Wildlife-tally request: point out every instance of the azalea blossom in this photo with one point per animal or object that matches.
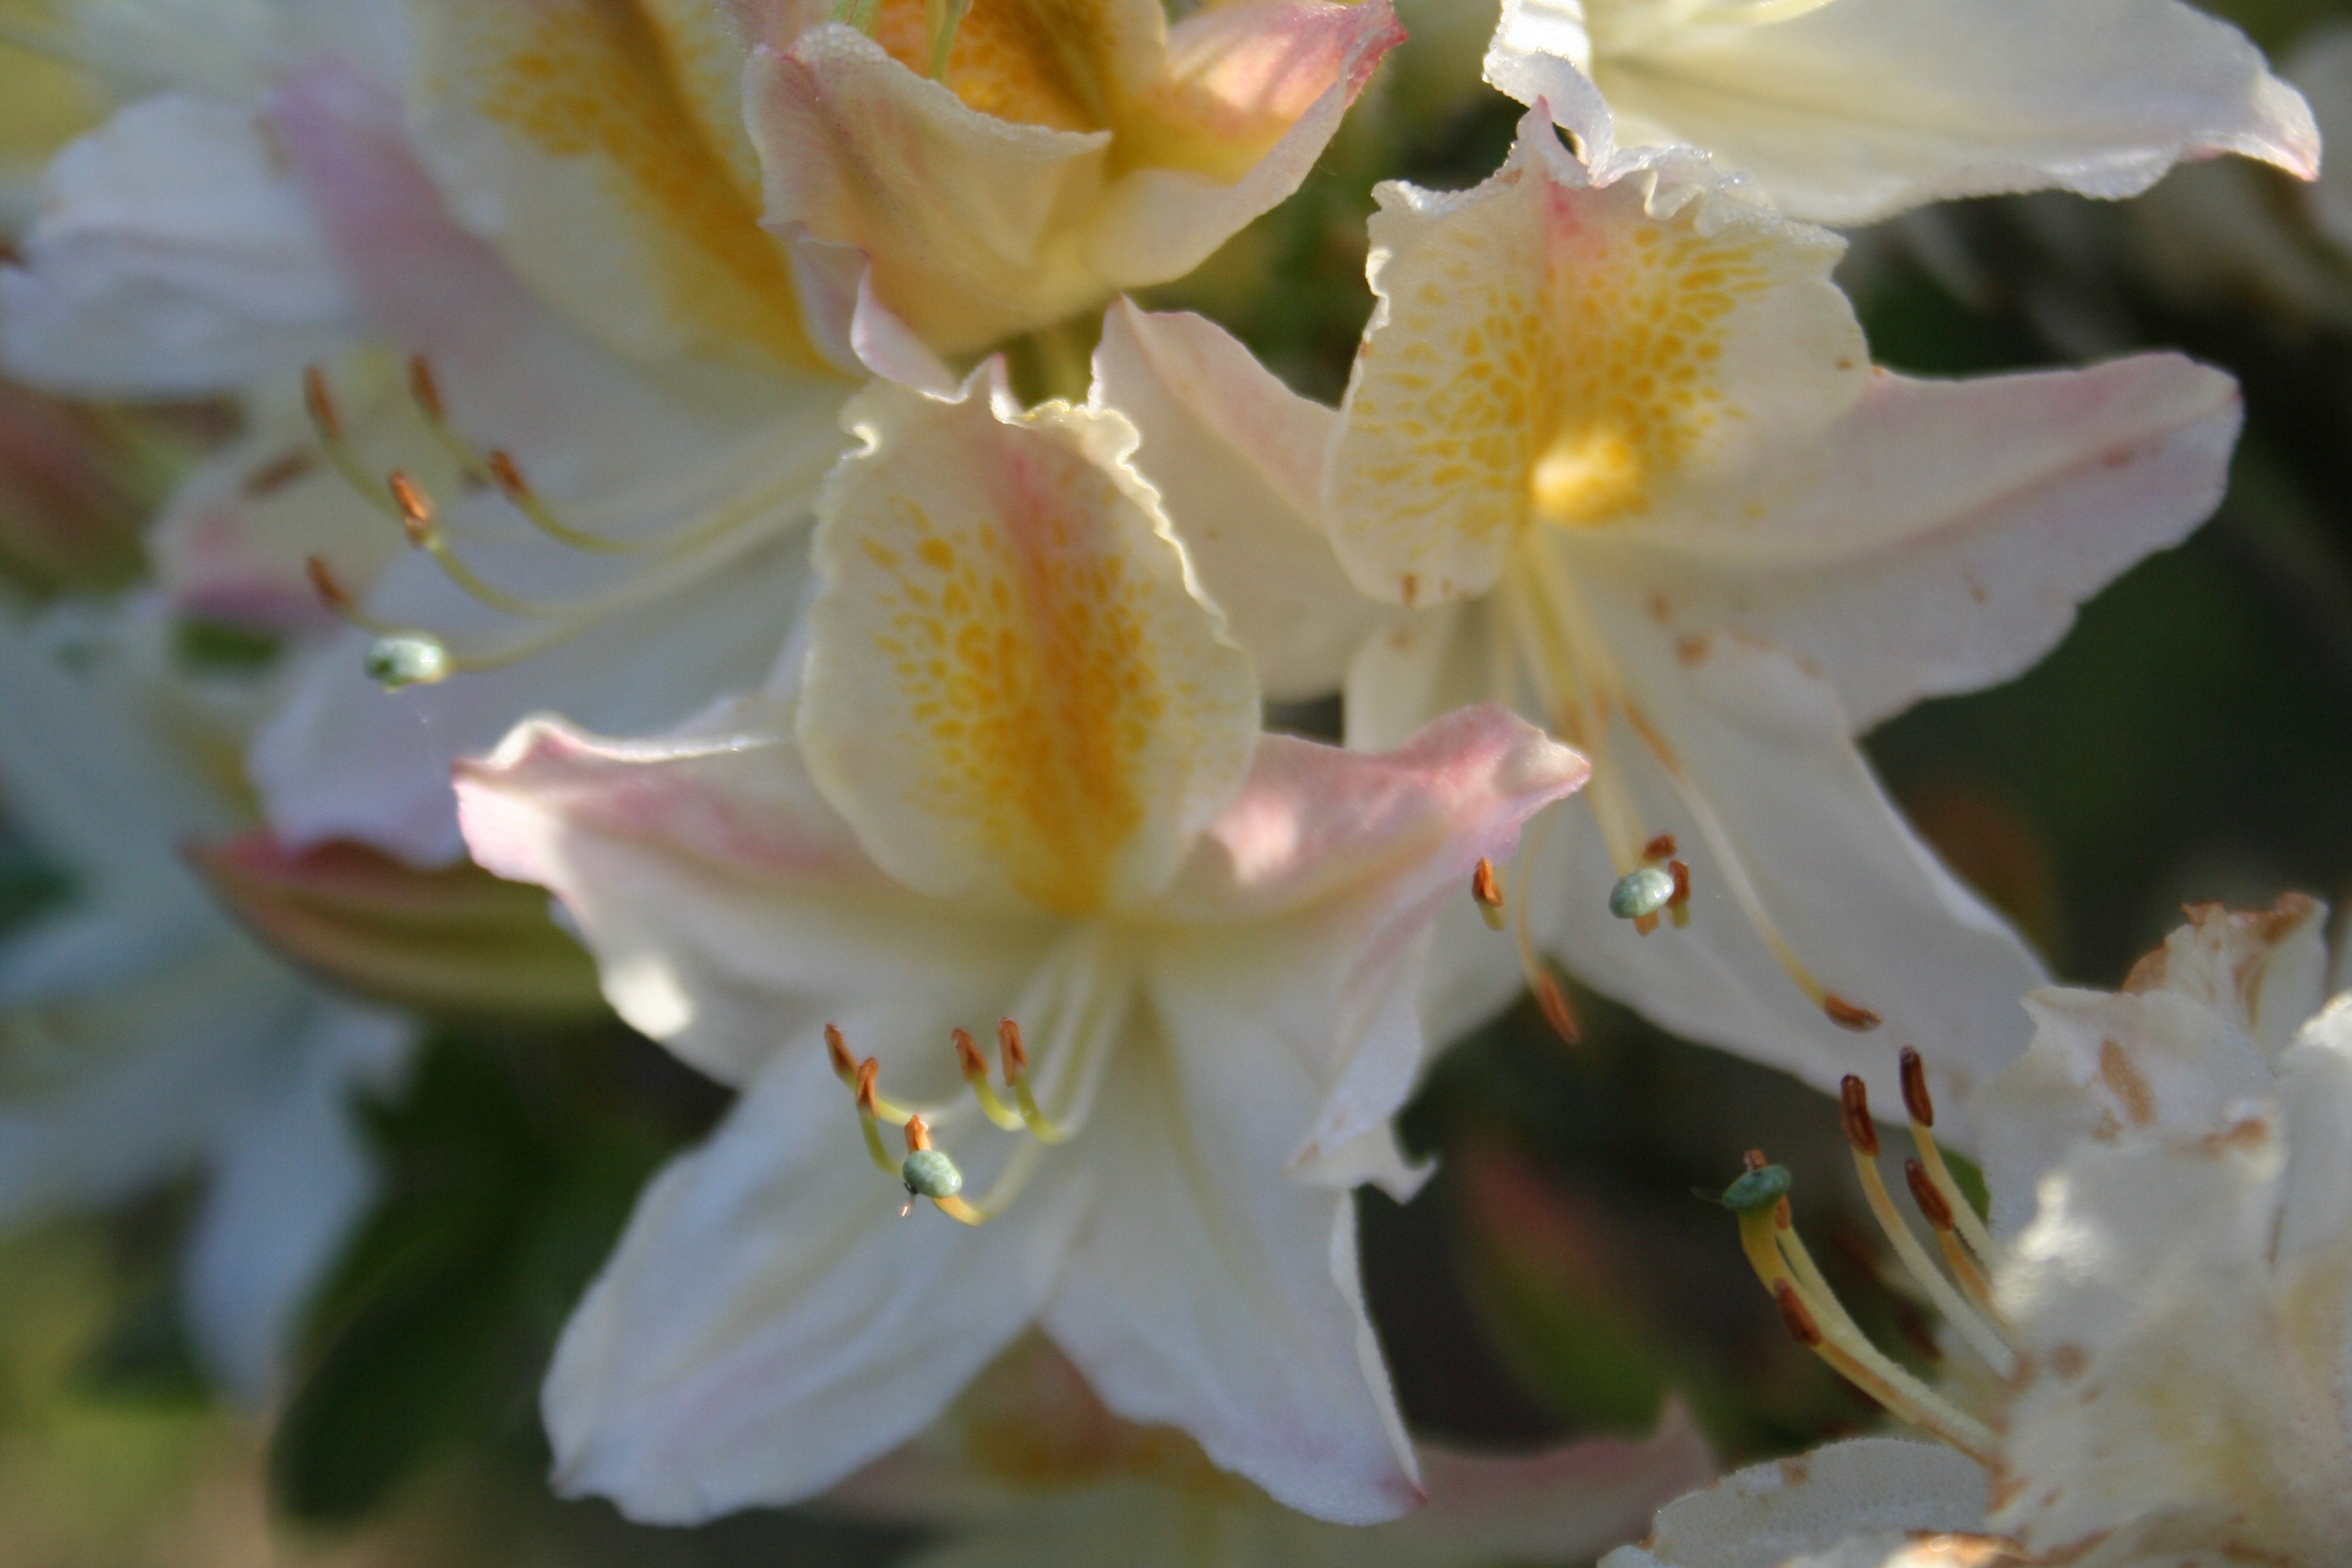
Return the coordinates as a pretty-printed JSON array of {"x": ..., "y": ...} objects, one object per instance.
[
  {"x": 2176, "y": 1295},
  {"x": 1022, "y": 164},
  {"x": 518, "y": 249},
  {"x": 1028, "y": 1466},
  {"x": 1851, "y": 111},
  {"x": 1020, "y": 794},
  {"x": 144, "y": 1036},
  {"x": 1615, "y": 454}
]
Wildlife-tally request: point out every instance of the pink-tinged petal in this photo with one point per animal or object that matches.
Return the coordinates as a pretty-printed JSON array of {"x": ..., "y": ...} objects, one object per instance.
[
  {"x": 769, "y": 1322},
  {"x": 983, "y": 223},
  {"x": 514, "y": 373},
  {"x": 1939, "y": 538},
  {"x": 1237, "y": 458},
  {"x": 1159, "y": 223},
  {"x": 957, "y": 208},
  {"x": 1209, "y": 1291},
  {"x": 728, "y": 908}
]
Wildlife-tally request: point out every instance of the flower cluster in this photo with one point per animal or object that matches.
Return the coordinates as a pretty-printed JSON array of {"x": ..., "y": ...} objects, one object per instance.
[{"x": 705, "y": 460}]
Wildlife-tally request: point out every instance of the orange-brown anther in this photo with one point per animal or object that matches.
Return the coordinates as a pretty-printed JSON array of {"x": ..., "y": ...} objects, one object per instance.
[
  {"x": 1644, "y": 924},
  {"x": 868, "y": 1072},
  {"x": 1846, "y": 1016},
  {"x": 320, "y": 403},
  {"x": 1796, "y": 1316},
  {"x": 1484, "y": 888},
  {"x": 918, "y": 1136},
  {"x": 1754, "y": 1160},
  {"x": 1008, "y": 1040},
  {"x": 1555, "y": 1010},
  {"x": 416, "y": 507},
  {"x": 968, "y": 1054},
  {"x": 1662, "y": 848},
  {"x": 323, "y": 580},
  {"x": 1854, "y": 1107},
  {"x": 510, "y": 478},
  {"x": 1915, "y": 1098},
  {"x": 423, "y": 388},
  {"x": 837, "y": 1048},
  {"x": 1924, "y": 1193},
  {"x": 1681, "y": 869}
]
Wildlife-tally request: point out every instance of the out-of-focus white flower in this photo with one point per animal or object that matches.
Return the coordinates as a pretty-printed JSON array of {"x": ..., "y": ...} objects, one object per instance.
[
  {"x": 143, "y": 1035},
  {"x": 1065, "y": 153},
  {"x": 1851, "y": 111},
  {"x": 1023, "y": 780},
  {"x": 555, "y": 207},
  {"x": 1027, "y": 1468},
  {"x": 1614, "y": 441},
  {"x": 2177, "y": 1298}
]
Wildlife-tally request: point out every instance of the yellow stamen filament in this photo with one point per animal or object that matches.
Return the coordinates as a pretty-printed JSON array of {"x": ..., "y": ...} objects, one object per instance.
[
  {"x": 1939, "y": 1217},
  {"x": 1862, "y": 1137},
  {"x": 1921, "y": 1106},
  {"x": 1016, "y": 1073},
  {"x": 975, "y": 1073},
  {"x": 1836, "y": 1341},
  {"x": 328, "y": 424},
  {"x": 868, "y": 1108},
  {"x": 425, "y": 391},
  {"x": 508, "y": 476},
  {"x": 338, "y": 598},
  {"x": 416, "y": 515}
]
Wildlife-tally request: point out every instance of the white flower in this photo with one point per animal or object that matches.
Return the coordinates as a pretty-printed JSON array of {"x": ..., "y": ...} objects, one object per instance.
[
  {"x": 1023, "y": 780},
  {"x": 1065, "y": 153},
  {"x": 559, "y": 213},
  {"x": 1852, "y": 110},
  {"x": 2179, "y": 1297},
  {"x": 1614, "y": 441},
  {"x": 1028, "y": 1467},
  {"x": 143, "y": 1035}
]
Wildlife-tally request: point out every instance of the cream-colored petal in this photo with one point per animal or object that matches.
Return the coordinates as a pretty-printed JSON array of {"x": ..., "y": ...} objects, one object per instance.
[
  {"x": 1237, "y": 458},
  {"x": 1011, "y": 687},
  {"x": 1771, "y": 1513},
  {"x": 1850, "y": 112},
  {"x": 597, "y": 144},
  {"x": 2194, "y": 1033},
  {"x": 1573, "y": 350}
]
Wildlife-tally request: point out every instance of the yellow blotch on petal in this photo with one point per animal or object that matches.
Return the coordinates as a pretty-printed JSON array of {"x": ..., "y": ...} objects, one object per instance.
[
  {"x": 615, "y": 81},
  {"x": 1022, "y": 652},
  {"x": 1054, "y": 63}
]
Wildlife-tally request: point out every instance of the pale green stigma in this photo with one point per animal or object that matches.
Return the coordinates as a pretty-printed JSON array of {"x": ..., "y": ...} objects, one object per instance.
[
  {"x": 408, "y": 658},
  {"x": 1759, "y": 1188},
  {"x": 929, "y": 1173},
  {"x": 1641, "y": 892}
]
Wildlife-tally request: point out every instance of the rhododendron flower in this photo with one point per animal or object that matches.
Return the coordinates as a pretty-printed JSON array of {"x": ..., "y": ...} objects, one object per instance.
[
  {"x": 1852, "y": 110},
  {"x": 1028, "y": 1466},
  {"x": 1064, "y": 151},
  {"x": 1023, "y": 780},
  {"x": 1614, "y": 438},
  {"x": 144, "y": 1036},
  {"x": 613, "y": 427},
  {"x": 2176, "y": 1295}
]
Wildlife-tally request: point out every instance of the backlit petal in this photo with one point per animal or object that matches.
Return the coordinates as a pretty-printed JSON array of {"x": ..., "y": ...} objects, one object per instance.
[
  {"x": 1011, "y": 687},
  {"x": 1553, "y": 347}
]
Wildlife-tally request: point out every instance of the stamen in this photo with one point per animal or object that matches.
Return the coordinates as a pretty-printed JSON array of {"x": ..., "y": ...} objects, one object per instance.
[
  {"x": 425, "y": 391},
  {"x": 1016, "y": 1073},
  {"x": 1922, "y": 1107},
  {"x": 928, "y": 1173},
  {"x": 868, "y": 1108},
  {"x": 1940, "y": 1218},
  {"x": 1760, "y": 1199},
  {"x": 338, "y": 598},
  {"x": 975, "y": 1073},
  {"x": 869, "y": 1095},
  {"x": 1678, "y": 906},
  {"x": 1862, "y": 1137},
  {"x": 415, "y": 511},
  {"x": 944, "y": 17},
  {"x": 508, "y": 476},
  {"x": 837, "y": 1048},
  {"x": 328, "y": 422},
  {"x": 1486, "y": 892},
  {"x": 1553, "y": 1001}
]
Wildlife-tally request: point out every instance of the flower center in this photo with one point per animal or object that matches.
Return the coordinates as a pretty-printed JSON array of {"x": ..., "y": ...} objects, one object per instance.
[{"x": 1036, "y": 62}]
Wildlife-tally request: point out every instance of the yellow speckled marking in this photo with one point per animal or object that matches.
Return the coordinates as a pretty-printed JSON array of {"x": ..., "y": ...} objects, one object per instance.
[
  {"x": 1023, "y": 650},
  {"x": 1550, "y": 355},
  {"x": 602, "y": 80},
  {"x": 1040, "y": 62}
]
